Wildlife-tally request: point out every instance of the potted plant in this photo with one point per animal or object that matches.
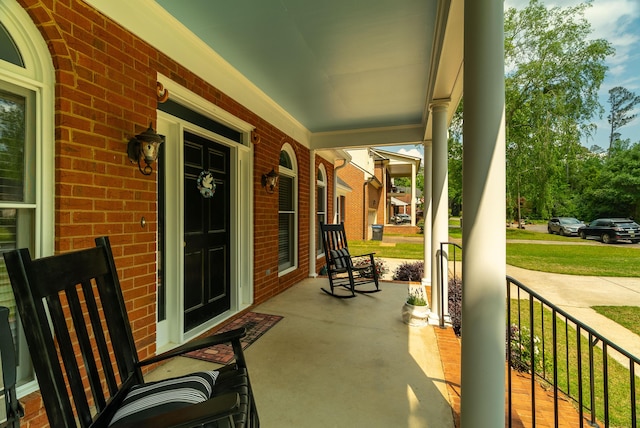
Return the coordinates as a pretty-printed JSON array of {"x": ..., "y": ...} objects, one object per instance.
[{"x": 415, "y": 311}]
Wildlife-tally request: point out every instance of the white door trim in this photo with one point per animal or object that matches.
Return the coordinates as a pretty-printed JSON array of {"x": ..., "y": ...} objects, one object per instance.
[{"x": 169, "y": 332}]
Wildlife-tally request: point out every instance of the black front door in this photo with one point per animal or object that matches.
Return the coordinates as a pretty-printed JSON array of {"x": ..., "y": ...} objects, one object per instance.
[{"x": 207, "y": 286}]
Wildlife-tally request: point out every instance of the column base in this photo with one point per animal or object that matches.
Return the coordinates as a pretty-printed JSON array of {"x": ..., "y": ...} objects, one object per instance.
[{"x": 434, "y": 319}]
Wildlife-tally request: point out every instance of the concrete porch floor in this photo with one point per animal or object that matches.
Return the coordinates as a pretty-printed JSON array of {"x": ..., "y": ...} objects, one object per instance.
[{"x": 341, "y": 363}]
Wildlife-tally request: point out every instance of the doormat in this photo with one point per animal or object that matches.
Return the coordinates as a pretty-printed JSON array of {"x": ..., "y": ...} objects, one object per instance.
[{"x": 256, "y": 324}]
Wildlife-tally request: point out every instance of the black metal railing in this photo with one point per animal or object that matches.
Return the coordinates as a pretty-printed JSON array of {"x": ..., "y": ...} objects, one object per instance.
[
  {"x": 444, "y": 274},
  {"x": 573, "y": 360}
]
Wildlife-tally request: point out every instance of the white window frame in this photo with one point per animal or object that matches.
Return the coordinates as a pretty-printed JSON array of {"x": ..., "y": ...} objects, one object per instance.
[
  {"x": 37, "y": 80},
  {"x": 293, "y": 174}
]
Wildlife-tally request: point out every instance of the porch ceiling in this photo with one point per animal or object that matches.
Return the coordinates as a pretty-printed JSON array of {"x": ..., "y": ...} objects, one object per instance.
[{"x": 351, "y": 73}]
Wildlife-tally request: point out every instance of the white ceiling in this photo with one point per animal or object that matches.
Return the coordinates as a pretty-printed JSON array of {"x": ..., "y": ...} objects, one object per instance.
[
  {"x": 351, "y": 72},
  {"x": 332, "y": 64}
]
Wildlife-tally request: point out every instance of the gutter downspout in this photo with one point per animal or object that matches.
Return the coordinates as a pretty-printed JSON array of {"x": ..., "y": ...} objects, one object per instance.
[{"x": 346, "y": 160}]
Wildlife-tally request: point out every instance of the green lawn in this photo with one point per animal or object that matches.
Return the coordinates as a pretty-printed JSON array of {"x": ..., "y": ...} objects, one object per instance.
[
  {"x": 589, "y": 260},
  {"x": 401, "y": 250},
  {"x": 396, "y": 251}
]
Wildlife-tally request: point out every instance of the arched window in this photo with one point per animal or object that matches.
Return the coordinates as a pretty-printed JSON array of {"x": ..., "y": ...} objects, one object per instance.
[
  {"x": 287, "y": 210},
  {"x": 321, "y": 206},
  {"x": 26, "y": 156}
]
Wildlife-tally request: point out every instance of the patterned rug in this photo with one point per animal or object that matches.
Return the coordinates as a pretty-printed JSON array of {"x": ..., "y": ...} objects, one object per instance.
[{"x": 256, "y": 324}]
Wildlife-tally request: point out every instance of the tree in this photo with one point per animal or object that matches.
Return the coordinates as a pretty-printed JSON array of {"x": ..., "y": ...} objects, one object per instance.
[
  {"x": 553, "y": 73},
  {"x": 12, "y": 137},
  {"x": 613, "y": 185},
  {"x": 622, "y": 103},
  {"x": 455, "y": 162}
]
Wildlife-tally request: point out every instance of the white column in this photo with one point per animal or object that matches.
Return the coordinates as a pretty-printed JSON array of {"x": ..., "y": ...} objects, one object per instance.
[
  {"x": 483, "y": 233},
  {"x": 440, "y": 210},
  {"x": 413, "y": 193},
  {"x": 313, "y": 218},
  {"x": 427, "y": 171}
]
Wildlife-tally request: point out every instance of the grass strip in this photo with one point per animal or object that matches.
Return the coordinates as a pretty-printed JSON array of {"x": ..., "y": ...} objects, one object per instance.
[
  {"x": 515, "y": 233},
  {"x": 626, "y": 316}
]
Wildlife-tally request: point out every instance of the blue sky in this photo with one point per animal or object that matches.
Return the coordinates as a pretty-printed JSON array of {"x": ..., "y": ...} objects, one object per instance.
[{"x": 617, "y": 21}]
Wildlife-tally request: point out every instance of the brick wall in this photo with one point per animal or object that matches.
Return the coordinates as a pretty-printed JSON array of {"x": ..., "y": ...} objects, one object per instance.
[
  {"x": 353, "y": 220},
  {"x": 105, "y": 93}
]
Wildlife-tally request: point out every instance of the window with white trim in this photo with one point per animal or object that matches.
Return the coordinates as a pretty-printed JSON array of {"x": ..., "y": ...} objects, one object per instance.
[
  {"x": 321, "y": 206},
  {"x": 287, "y": 210},
  {"x": 26, "y": 162}
]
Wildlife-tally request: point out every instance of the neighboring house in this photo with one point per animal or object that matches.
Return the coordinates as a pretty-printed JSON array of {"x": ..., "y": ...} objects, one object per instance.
[
  {"x": 373, "y": 199},
  {"x": 364, "y": 203},
  {"x": 396, "y": 165},
  {"x": 80, "y": 79}
]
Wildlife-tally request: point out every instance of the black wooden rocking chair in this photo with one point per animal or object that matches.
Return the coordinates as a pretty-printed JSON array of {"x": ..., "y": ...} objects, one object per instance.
[
  {"x": 81, "y": 344},
  {"x": 347, "y": 273}
]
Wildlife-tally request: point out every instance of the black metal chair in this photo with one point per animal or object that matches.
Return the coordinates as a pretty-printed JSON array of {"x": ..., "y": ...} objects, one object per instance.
[
  {"x": 81, "y": 345},
  {"x": 347, "y": 273},
  {"x": 12, "y": 412}
]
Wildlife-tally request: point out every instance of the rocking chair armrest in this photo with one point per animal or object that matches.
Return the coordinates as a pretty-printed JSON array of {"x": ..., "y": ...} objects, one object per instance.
[
  {"x": 364, "y": 255},
  {"x": 204, "y": 342},
  {"x": 211, "y": 410}
]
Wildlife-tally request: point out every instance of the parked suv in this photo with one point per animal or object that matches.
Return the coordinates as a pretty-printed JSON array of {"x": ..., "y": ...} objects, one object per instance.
[
  {"x": 567, "y": 226},
  {"x": 610, "y": 230}
]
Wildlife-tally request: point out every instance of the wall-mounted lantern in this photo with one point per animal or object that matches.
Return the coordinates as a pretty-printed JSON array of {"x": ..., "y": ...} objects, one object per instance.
[
  {"x": 144, "y": 148},
  {"x": 270, "y": 181}
]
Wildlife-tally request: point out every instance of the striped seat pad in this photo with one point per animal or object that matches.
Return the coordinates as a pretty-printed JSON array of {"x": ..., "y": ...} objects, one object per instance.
[
  {"x": 341, "y": 258},
  {"x": 152, "y": 399}
]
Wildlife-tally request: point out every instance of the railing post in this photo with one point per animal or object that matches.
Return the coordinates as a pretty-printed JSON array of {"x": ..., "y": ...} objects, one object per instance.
[
  {"x": 441, "y": 291},
  {"x": 443, "y": 270}
]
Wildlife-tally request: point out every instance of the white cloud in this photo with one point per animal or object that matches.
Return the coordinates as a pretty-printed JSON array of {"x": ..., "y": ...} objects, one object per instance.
[{"x": 411, "y": 152}]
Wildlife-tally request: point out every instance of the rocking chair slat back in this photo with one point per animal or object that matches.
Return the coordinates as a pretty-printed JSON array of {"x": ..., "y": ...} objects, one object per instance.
[{"x": 80, "y": 297}]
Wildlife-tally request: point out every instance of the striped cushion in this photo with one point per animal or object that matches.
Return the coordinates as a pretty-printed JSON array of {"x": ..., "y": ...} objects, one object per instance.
[
  {"x": 340, "y": 257},
  {"x": 159, "y": 397}
]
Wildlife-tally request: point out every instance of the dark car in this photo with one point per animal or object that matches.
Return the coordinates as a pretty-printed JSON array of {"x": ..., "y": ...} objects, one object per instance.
[
  {"x": 567, "y": 226},
  {"x": 610, "y": 230}
]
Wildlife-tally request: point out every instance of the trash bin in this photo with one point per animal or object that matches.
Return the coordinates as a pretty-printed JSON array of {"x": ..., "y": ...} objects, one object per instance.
[{"x": 377, "y": 230}]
